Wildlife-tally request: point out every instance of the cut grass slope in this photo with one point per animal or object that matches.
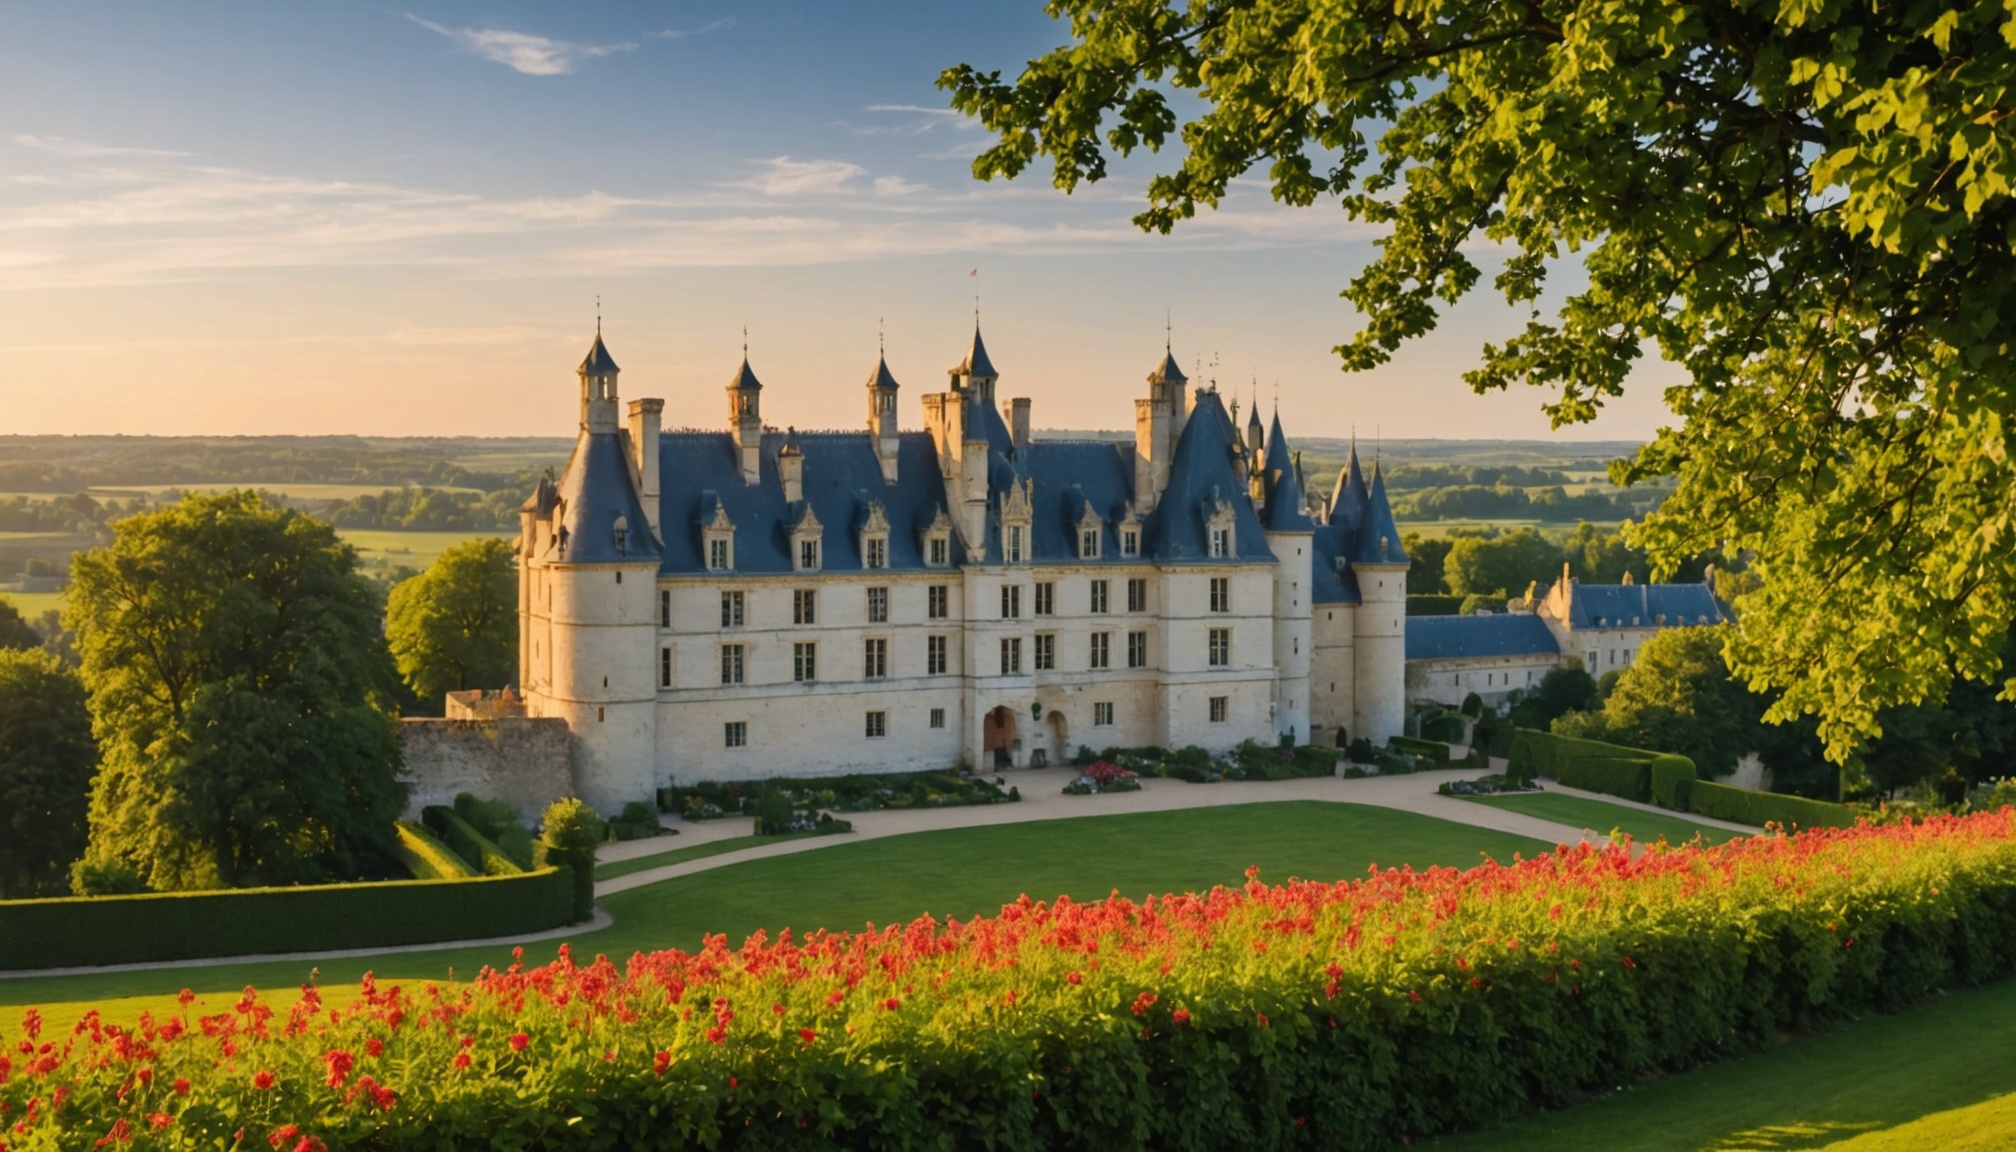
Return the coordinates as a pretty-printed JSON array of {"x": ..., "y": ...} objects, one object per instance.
[
  {"x": 1600, "y": 816},
  {"x": 675, "y": 855},
  {"x": 1934, "y": 1077},
  {"x": 960, "y": 872}
]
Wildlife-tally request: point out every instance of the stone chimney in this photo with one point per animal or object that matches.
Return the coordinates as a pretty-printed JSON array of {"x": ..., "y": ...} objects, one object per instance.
[
  {"x": 791, "y": 471},
  {"x": 1018, "y": 422},
  {"x": 644, "y": 422}
]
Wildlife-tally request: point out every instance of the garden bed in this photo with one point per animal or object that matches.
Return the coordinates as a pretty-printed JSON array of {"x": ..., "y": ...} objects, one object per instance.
[{"x": 708, "y": 799}]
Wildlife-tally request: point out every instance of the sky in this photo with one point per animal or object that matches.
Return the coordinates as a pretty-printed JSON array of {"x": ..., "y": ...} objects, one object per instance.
[{"x": 266, "y": 217}]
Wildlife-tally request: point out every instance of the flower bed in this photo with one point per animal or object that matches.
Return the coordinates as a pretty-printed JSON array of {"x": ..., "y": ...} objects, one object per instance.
[{"x": 1306, "y": 1015}]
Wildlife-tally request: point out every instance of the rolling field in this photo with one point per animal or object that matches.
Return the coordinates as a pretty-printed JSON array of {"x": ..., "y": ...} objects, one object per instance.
[
  {"x": 1553, "y": 529},
  {"x": 380, "y": 549},
  {"x": 32, "y": 605}
]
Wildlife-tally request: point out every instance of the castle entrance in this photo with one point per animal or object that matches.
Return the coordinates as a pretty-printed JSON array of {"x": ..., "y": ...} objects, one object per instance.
[
  {"x": 997, "y": 737},
  {"x": 1060, "y": 738}
]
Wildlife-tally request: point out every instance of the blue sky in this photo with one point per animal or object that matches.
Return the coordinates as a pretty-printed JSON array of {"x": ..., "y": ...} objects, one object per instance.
[{"x": 265, "y": 217}]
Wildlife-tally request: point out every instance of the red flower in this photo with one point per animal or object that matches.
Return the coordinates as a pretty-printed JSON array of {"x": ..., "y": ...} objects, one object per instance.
[
  {"x": 160, "y": 1120},
  {"x": 282, "y": 1134},
  {"x": 519, "y": 1040},
  {"x": 1142, "y": 1002},
  {"x": 892, "y": 1003},
  {"x": 807, "y": 1035},
  {"x": 181, "y": 1086},
  {"x": 661, "y": 1062},
  {"x": 374, "y": 1047},
  {"x": 1414, "y": 996},
  {"x": 461, "y": 1061},
  {"x": 311, "y": 1144},
  {"x": 716, "y": 1035},
  {"x": 339, "y": 1064},
  {"x": 1180, "y": 1017},
  {"x": 1075, "y": 978},
  {"x": 262, "y": 1080}
]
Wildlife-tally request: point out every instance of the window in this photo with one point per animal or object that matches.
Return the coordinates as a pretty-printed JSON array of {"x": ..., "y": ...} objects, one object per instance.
[
  {"x": 878, "y": 725},
  {"x": 938, "y": 601},
  {"x": 1221, "y": 647},
  {"x": 805, "y": 606},
  {"x": 1011, "y": 602},
  {"x": 805, "y": 661},
  {"x": 939, "y": 552},
  {"x": 619, "y": 546},
  {"x": 937, "y": 718},
  {"x": 1014, "y": 546},
  {"x": 1137, "y": 649},
  {"x": 731, "y": 663},
  {"x": 731, "y": 609},
  {"x": 1098, "y": 596},
  {"x": 1221, "y": 543},
  {"x": 934, "y": 655},
  {"x": 878, "y": 605},
  {"x": 1137, "y": 595},
  {"x": 1130, "y": 542},
  {"x": 664, "y": 609},
  {"x": 1102, "y": 715},
  {"x": 1088, "y": 543},
  {"x": 1220, "y": 705},
  {"x": 877, "y": 552},
  {"x": 1011, "y": 656},
  {"x": 601, "y": 714},
  {"x": 1046, "y": 652},
  {"x": 664, "y": 667},
  {"x": 1221, "y": 594},
  {"x": 1046, "y": 598},
  {"x": 717, "y": 554},
  {"x": 875, "y": 658},
  {"x": 735, "y": 733},
  {"x": 1101, "y": 649},
  {"x": 808, "y": 555}
]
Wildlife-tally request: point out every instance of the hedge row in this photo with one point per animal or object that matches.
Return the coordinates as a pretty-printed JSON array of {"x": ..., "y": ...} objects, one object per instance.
[
  {"x": 1587, "y": 764},
  {"x": 1672, "y": 781},
  {"x": 1426, "y": 749},
  {"x": 1448, "y": 727},
  {"x": 1747, "y": 807},
  {"x": 76, "y": 931},
  {"x": 428, "y": 858},
  {"x": 479, "y": 850},
  {"x": 1350, "y": 1015}
]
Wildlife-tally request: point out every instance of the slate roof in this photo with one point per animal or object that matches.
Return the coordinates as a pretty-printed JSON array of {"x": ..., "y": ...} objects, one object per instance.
[
  {"x": 1167, "y": 371},
  {"x": 841, "y": 475},
  {"x": 1616, "y": 605},
  {"x": 745, "y": 377},
  {"x": 976, "y": 362},
  {"x": 598, "y": 361},
  {"x": 1378, "y": 535},
  {"x": 595, "y": 490},
  {"x": 1462, "y": 637},
  {"x": 1203, "y": 469},
  {"x": 1283, "y": 486},
  {"x": 882, "y": 378}
]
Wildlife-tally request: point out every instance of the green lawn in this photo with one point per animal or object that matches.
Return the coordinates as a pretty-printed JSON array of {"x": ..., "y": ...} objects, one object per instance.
[
  {"x": 963, "y": 872},
  {"x": 1936, "y": 1078},
  {"x": 671, "y": 853},
  {"x": 1580, "y": 812}
]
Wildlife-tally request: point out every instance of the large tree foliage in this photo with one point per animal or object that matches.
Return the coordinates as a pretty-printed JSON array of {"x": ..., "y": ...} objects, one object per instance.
[
  {"x": 455, "y": 625},
  {"x": 1805, "y": 204},
  {"x": 1678, "y": 696},
  {"x": 47, "y": 758},
  {"x": 239, "y": 688},
  {"x": 15, "y": 631}
]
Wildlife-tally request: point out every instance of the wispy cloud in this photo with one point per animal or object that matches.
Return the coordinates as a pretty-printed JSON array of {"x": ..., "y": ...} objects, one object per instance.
[
  {"x": 783, "y": 176},
  {"x": 704, "y": 29},
  {"x": 522, "y": 51},
  {"x": 81, "y": 149},
  {"x": 897, "y": 186}
]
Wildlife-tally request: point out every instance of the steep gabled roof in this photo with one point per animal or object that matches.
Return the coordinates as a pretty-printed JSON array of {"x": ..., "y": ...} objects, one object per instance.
[
  {"x": 1348, "y": 499},
  {"x": 1283, "y": 487},
  {"x": 1201, "y": 471},
  {"x": 593, "y": 494},
  {"x": 1464, "y": 637}
]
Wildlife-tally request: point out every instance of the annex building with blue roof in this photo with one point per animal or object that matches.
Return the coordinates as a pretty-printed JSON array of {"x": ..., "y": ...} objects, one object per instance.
[{"x": 751, "y": 602}]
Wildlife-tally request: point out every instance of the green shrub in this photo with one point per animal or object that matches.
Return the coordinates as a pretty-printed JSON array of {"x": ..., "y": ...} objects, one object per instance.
[
  {"x": 1744, "y": 806},
  {"x": 773, "y": 811},
  {"x": 569, "y": 832},
  {"x": 1587, "y": 764},
  {"x": 156, "y": 927},
  {"x": 1473, "y": 705},
  {"x": 1425, "y": 749},
  {"x": 105, "y": 878},
  {"x": 426, "y": 857},
  {"x": 498, "y": 823},
  {"x": 479, "y": 850},
  {"x": 1672, "y": 782},
  {"x": 1447, "y": 727}
]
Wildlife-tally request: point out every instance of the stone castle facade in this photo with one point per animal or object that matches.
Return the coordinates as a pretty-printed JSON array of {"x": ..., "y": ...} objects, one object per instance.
[{"x": 750, "y": 603}]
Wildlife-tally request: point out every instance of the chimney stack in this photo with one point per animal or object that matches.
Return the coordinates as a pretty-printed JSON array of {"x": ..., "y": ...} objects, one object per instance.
[
  {"x": 644, "y": 421},
  {"x": 1018, "y": 422},
  {"x": 791, "y": 470}
]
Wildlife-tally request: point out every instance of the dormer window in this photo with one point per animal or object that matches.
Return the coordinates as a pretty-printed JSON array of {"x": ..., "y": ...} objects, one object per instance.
[
  {"x": 1218, "y": 529},
  {"x": 718, "y": 535},
  {"x": 622, "y": 536},
  {"x": 1014, "y": 546},
  {"x": 720, "y": 554},
  {"x": 808, "y": 555},
  {"x": 1130, "y": 542},
  {"x": 936, "y": 544},
  {"x": 1016, "y": 515},
  {"x": 875, "y": 537},
  {"x": 1221, "y": 543},
  {"x": 1088, "y": 543}
]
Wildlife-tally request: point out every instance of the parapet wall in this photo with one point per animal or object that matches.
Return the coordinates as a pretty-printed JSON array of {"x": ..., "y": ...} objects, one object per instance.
[{"x": 527, "y": 762}]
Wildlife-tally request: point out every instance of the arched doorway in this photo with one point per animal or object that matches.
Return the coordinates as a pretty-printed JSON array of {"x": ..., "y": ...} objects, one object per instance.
[
  {"x": 1060, "y": 738},
  {"x": 997, "y": 738}
]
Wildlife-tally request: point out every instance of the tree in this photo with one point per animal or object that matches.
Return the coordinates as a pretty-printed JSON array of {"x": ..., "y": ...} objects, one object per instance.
[
  {"x": 239, "y": 687},
  {"x": 15, "y": 632},
  {"x": 1502, "y": 565},
  {"x": 1424, "y": 576},
  {"x": 1678, "y": 696},
  {"x": 47, "y": 759},
  {"x": 1561, "y": 691},
  {"x": 1807, "y": 208},
  {"x": 455, "y": 625},
  {"x": 571, "y": 830}
]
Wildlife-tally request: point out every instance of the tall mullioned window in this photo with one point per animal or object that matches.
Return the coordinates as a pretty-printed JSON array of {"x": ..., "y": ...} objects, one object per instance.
[
  {"x": 731, "y": 609},
  {"x": 1221, "y": 647},
  {"x": 1102, "y": 649},
  {"x": 937, "y": 602},
  {"x": 1221, "y": 594},
  {"x": 731, "y": 663},
  {"x": 1098, "y": 596},
  {"x": 808, "y": 555},
  {"x": 878, "y": 605},
  {"x": 939, "y": 552},
  {"x": 1130, "y": 542},
  {"x": 878, "y": 725},
  {"x": 1102, "y": 714},
  {"x": 1014, "y": 545},
  {"x": 735, "y": 733},
  {"x": 878, "y": 552},
  {"x": 934, "y": 656},
  {"x": 805, "y": 606},
  {"x": 1011, "y": 656},
  {"x": 664, "y": 667},
  {"x": 1137, "y": 595},
  {"x": 717, "y": 555},
  {"x": 1137, "y": 649},
  {"x": 1221, "y": 706},
  {"x": 664, "y": 609},
  {"x": 875, "y": 658},
  {"x": 1046, "y": 598},
  {"x": 1088, "y": 543},
  {"x": 1011, "y": 601},
  {"x": 1221, "y": 543},
  {"x": 805, "y": 661},
  {"x": 1046, "y": 652}
]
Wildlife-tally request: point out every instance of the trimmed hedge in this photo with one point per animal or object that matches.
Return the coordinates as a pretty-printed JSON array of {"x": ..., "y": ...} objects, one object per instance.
[
  {"x": 428, "y": 858},
  {"x": 74, "y": 931},
  {"x": 479, "y": 850},
  {"x": 1587, "y": 764},
  {"x": 1759, "y": 808},
  {"x": 1672, "y": 781},
  {"x": 1447, "y": 727},
  {"x": 1426, "y": 749}
]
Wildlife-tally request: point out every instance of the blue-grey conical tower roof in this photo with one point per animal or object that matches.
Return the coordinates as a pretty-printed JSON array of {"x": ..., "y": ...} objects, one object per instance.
[
  {"x": 976, "y": 362},
  {"x": 745, "y": 377},
  {"x": 1167, "y": 372},
  {"x": 1378, "y": 535},
  {"x": 882, "y": 377},
  {"x": 1283, "y": 486},
  {"x": 599, "y": 362},
  {"x": 1349, "y": 498}
]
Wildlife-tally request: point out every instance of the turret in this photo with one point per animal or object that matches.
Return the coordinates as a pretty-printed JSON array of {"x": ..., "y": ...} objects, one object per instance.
[
  {"x": 882, "y": 418},
  {"x": 598, "y": 387},
  {"x": 1291, "y": 536},
  {"x": 1158, "y": 423},
  {"x": 745, "y": 420},
  {"x": 975, "y": 374},
  {"x": 1381, "y": 627}
]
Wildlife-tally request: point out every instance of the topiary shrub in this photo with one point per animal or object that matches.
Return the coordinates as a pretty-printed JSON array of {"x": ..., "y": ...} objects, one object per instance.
[
  {"x": 1672, "y": 782},
  {"x": 571, "y": 830},
  {"x": 426, "y": 857},
  {"x": 1447, "y": 727},
  {"x": 497, "y": 822},
  {"x": 1473, "y": 705},
  {"x": 482, "y": 853}
]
